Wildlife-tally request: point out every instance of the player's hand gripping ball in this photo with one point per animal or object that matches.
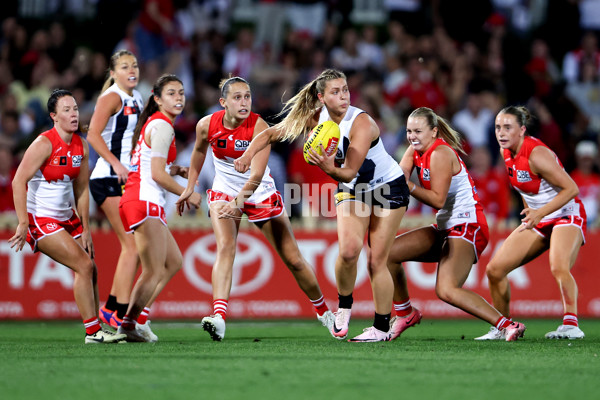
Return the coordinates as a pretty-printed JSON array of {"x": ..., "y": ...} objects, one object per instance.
[{"x": 327, "y": 134}]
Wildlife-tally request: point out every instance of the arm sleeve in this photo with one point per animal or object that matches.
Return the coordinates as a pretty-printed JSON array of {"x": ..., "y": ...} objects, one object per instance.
[{"x": 161, "y": 136}]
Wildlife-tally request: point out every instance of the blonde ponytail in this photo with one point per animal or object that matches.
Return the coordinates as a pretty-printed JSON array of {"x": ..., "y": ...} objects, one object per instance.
[{"x": 303, "y": 105}]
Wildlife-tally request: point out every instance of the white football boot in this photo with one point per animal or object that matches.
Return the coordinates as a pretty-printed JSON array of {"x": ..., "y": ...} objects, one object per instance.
[
  {"x": 132, "y": 335},
  {"x": 104, "y": 336},
  {"x": 146, "y": 332},
  {"x": 566, "y": 332},
  {"x": 341, "y": 322},
  {"x": 215, "y": 326},
  {"x": 327, "y": 319},
  {"x": 493, "y": 334},
  {"x": 372, "y": 334}
]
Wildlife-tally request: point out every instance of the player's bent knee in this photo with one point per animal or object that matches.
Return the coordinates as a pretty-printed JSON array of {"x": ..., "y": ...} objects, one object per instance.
[
  {"x": 350, "y": 254},
  {"x": 494, "y": 274},
  {"x": 85, "y": 267}
]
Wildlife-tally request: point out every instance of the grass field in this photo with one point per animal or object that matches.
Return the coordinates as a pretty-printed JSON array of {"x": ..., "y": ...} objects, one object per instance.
[{"x": 298, "y": 360}]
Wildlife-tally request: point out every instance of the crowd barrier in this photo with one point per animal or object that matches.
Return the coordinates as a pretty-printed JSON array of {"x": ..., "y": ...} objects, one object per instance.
[{"x": 32, "y": 286}]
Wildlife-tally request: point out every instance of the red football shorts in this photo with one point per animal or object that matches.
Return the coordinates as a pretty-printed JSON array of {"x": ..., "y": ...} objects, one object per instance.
[
  {"x": 134, "y": 212},
  {"x": 544, "y": 229},
  {"x": 476, "y": 234},
  {"x": 40, "y": 227}
]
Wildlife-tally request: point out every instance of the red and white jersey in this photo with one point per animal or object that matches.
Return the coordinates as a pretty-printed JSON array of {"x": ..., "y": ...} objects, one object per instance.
[
  {"x": 536, "y": 191},
  {"x": 49, "y": 191},
  {"x": 462, "y": 203},
  {"x": 229, "y": 144},
  {"x": 140, "y": 185}
]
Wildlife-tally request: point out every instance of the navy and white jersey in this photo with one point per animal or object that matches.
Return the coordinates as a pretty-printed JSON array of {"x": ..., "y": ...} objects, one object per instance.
[
  {"x": 118, "y": 131},
  {"x": 377, "y": 168}
]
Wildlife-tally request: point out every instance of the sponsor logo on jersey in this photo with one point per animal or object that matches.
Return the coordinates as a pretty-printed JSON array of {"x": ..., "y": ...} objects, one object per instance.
[
  {"x": 523, "y": 176},
  {"x": 426, "y": 174},
  {"x": 241, "y": 145},
  {"x": 221, "y": 143},
  {"x": 76, "y": 160},
  {"x": 59, "y": 160},
  {"x": 133, "y": 109}
]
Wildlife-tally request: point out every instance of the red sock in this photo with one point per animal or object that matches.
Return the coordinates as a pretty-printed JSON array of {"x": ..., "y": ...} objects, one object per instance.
[
  {"x": 143, "y": 316},
  {"x": 570, "y": 319},
  {"x": 320, "y": 305},
  {"x": 92, "y": 325},
  {"x": 502, "y": 323},
  {"x": 403, "y": 309},
  {"x": 220, "y": 307},
  {"x": 128, "y": 323}
]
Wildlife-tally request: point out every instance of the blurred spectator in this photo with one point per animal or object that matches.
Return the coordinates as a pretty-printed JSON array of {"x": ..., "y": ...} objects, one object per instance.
[
  {"x": 307, "y": 16},
  {"x": 589, "y": 11},
  {"x": 149, "y": 72},
  {"x": 475, "y": 121},
  {"x": 128, "y": 41},
  {"x": 369, "y": 47},
  {"x": 60, "y": 50},
  {"x": 7, "y": 173},
  {"x": 269, "y": 26},
  {"x": 397, "y": 39},
  {"x": 185, "y": 124},
  {"x": 585, "y": 94},
  {"x": 492, "y": 186},
  {"x": 587, "y": 178},
  {"x": 542, "y": 69},
  {"x": 10, "y": 134},
  {"x": 347, "y": 56},
  {"x": 549, "y": 131},
  {"x": 240, "y": 56},
  {"x": 410, "y": 14},
  {"x": 524, "y": 16},
  {"x": 394, "y": 76},
  {"x": 27, "y": 117},
  {"x": 419, "y": 90},
  {"x": 574, "y": 59},
  {"x": 155, "y": 28}
]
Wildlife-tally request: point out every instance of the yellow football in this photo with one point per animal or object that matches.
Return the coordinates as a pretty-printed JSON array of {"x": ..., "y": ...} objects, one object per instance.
[{"x": 327, "y": 134}]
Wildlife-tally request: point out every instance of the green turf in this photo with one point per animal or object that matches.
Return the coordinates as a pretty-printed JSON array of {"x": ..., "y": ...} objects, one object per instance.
[{"x": 298, "y": 360}]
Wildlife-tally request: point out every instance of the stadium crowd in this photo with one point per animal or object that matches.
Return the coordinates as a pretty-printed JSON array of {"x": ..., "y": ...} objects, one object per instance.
[{"x": 542, "y": 54}]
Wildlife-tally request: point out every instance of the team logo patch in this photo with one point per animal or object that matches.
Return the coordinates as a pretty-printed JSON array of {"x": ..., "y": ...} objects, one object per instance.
[
  {"x": 241, "y": 145},
  {"x": 523, "y": 176},
  {"x": 76, "y": 160},
  {"x": 221, "y": 143},
  {"x": 52, "y": 226},
  {"x": 426, "y": 174}
]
